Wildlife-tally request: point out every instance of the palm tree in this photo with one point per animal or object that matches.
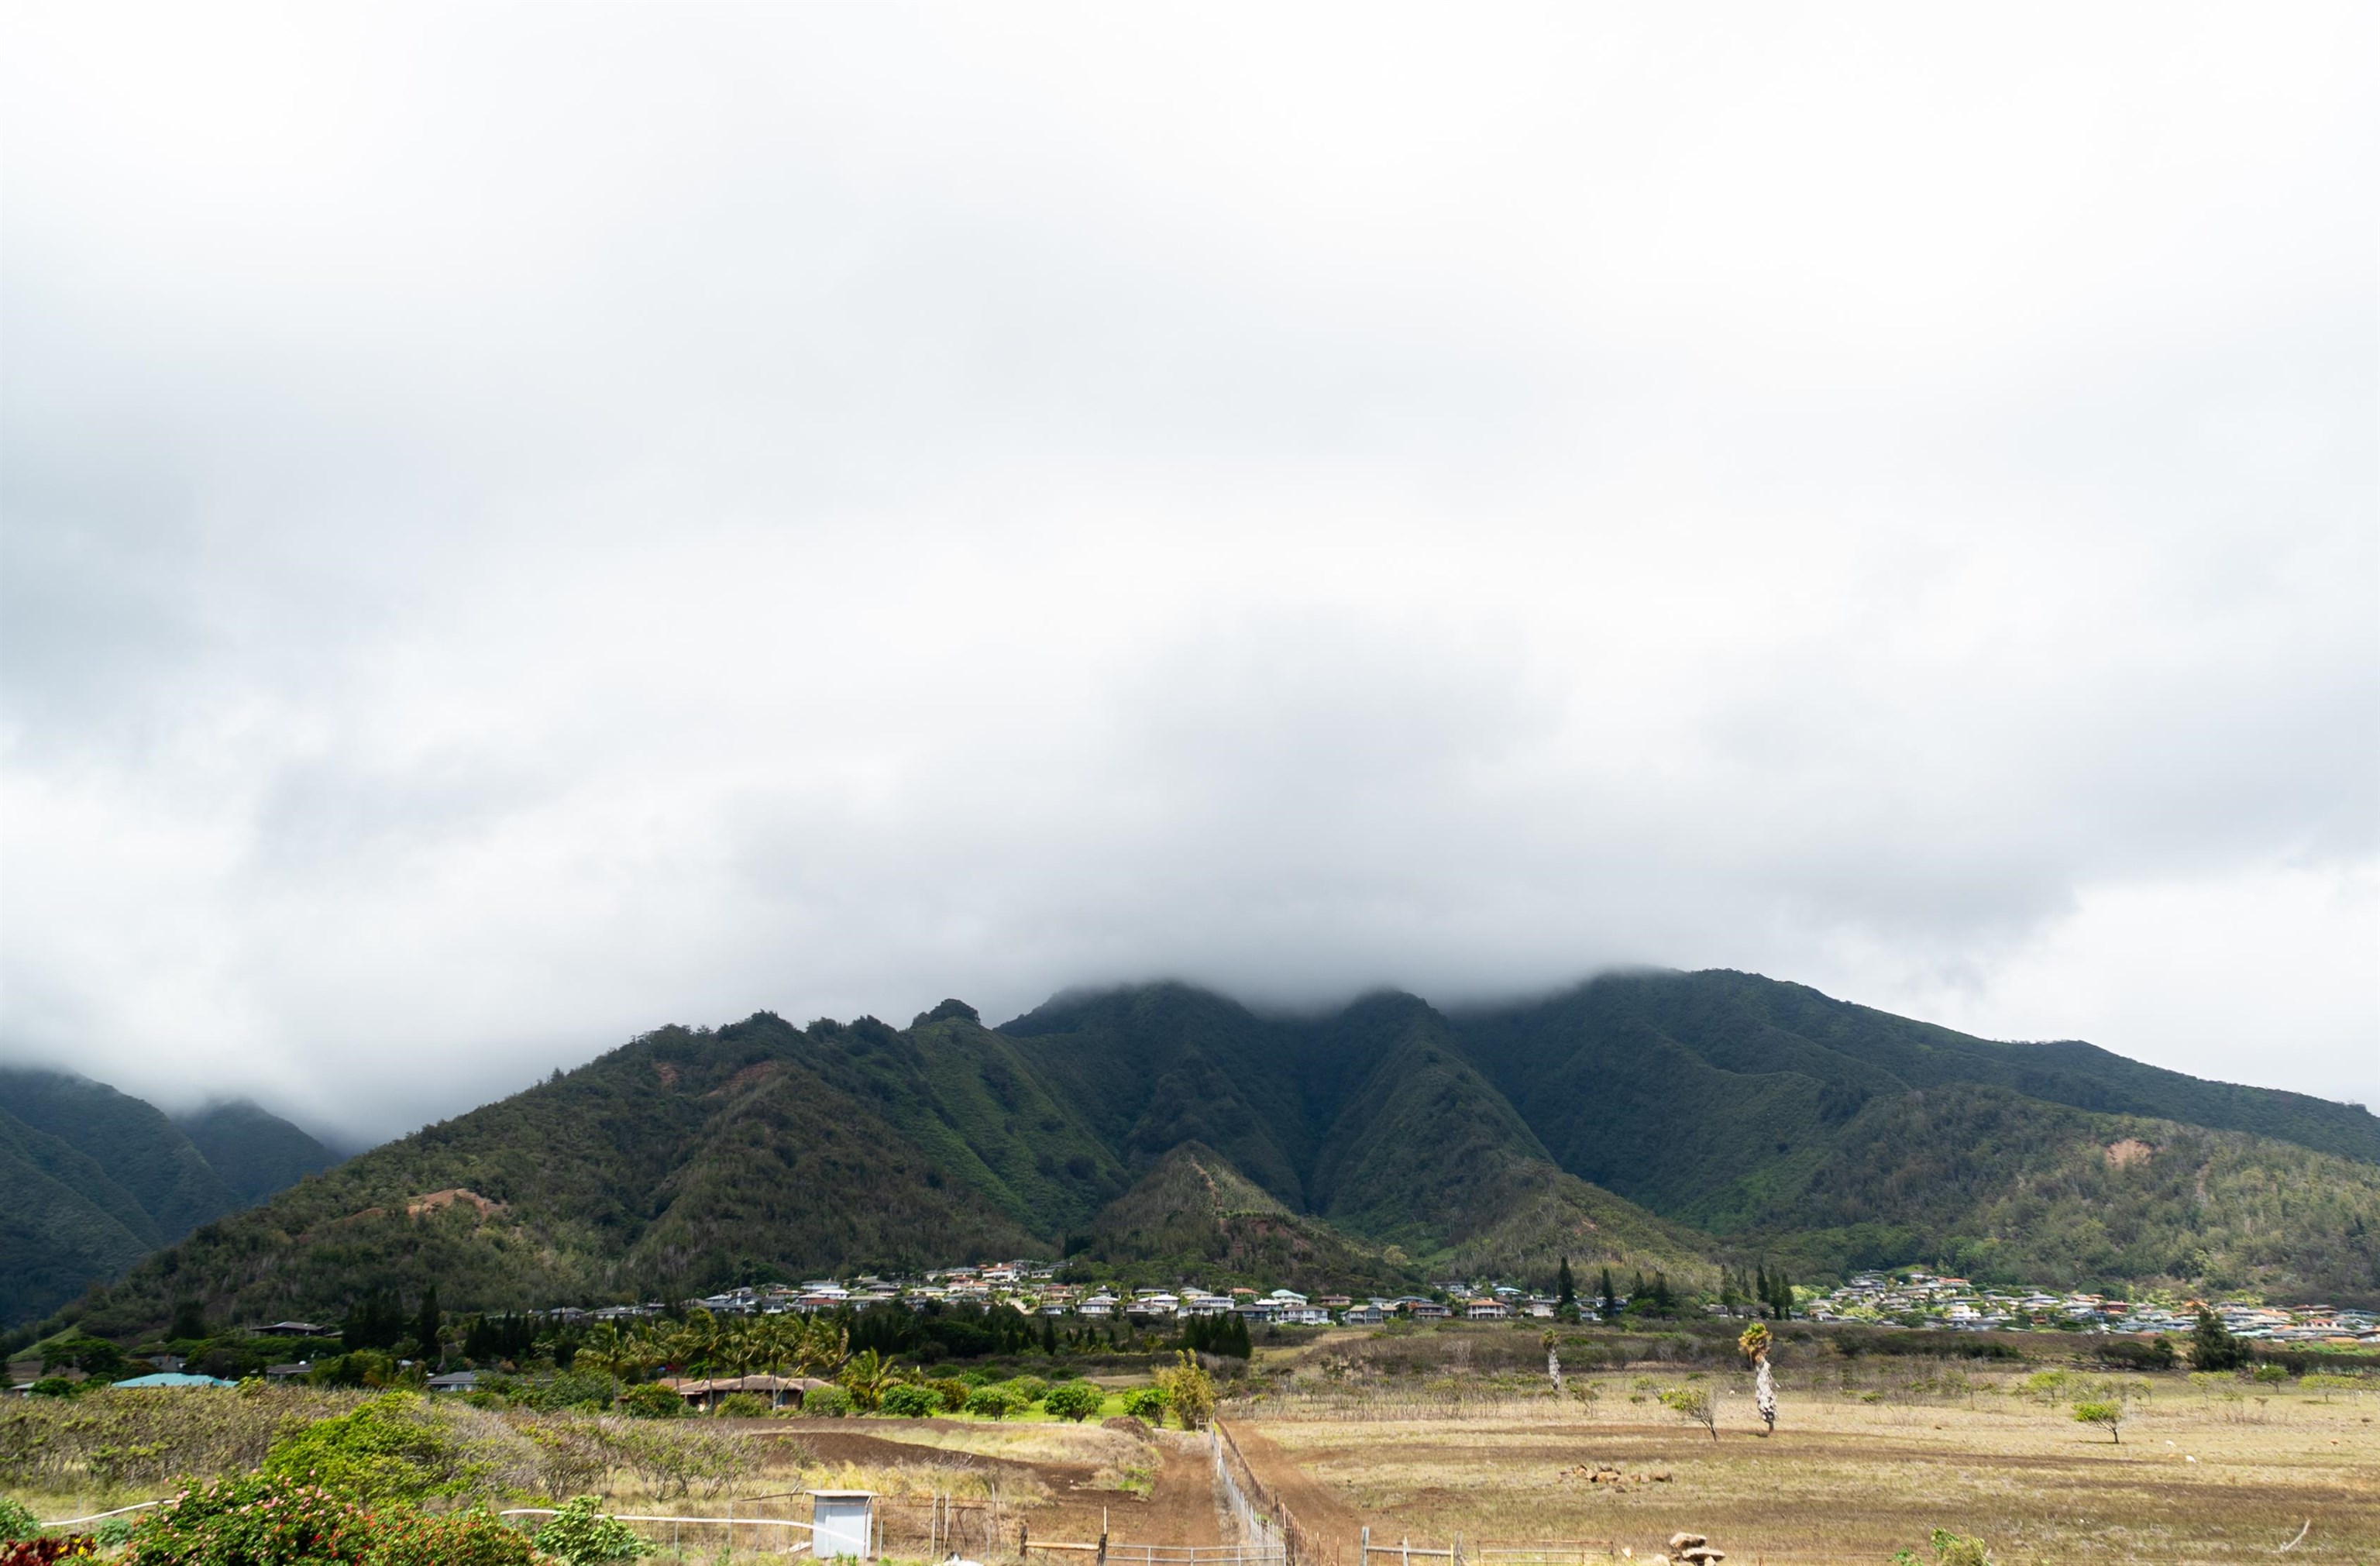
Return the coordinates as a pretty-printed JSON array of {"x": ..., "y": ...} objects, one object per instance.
[{"x": 865, "y": 1376}]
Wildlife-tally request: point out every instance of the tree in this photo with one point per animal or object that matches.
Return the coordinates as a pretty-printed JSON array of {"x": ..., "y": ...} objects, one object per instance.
[
  {"x": 2212, "y": 1346},
  {"x": 426, "y": 1325},
  {"x": 1755, "y": 1344},
  {"x": 189, "y": 1322},
  {"x": 1565, "y": 1289},
  {"x": 1608, "y": 1303},
  {"x": 865, "y": 1376},
  {"x": 1189, "y": 1391},
  {"x": 1076, "y": 1401},
  {"x": 1693, "y": 1405},
  {"x": 2111, "y": 1415},
  {"x": 912, "y": 1402}
]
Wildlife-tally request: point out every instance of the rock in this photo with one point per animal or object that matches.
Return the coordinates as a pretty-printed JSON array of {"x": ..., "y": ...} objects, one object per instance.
[
  {"x": 1685, "y": 1541},
  {"x": 1703, "y": 1555}
]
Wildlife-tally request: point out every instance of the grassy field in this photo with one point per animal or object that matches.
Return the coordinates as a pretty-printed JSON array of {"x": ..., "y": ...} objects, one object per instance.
[{"x": 1862, "y": 1465}]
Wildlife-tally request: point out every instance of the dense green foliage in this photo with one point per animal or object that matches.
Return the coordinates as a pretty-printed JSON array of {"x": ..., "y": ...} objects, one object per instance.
[
  {"x": 96, "y": 1179},
  {"x": 265, "y": 1521},
  {"x": 1159, "y": 1133},
  {"x": 579, "y": 1534},
  {"x": 389, "y": 1449},
  {"x": 254, "y": 1152}
]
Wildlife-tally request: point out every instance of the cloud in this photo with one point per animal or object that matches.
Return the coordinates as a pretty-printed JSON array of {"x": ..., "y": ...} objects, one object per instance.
[{"x": 523, "y": 524}]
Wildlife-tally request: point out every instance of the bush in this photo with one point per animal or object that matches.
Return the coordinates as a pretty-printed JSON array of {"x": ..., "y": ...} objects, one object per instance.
[
  {"x": 953, "y": 1393},
  {"x": 2134, "y": 1354},
  {"x": 830, "y": 1402},
  {"x": 742, "y": 1405},
  {"x": 54, "y": 1386},
  {"x": 651, "y": 1401},
  {"x": 1147, "y": 1403},
  {"x": 1955, "y": 1550},
  {"x": 569, "y": 1390},
  {"x": 580, "y": 1534},
  {"x": 1077, "y": 1401},
  {"x": 992, "y": 1402},
  {"x": 390, "y": 1448},
  {"x": 909, "y": 1400},
  {"x": 263, "y": 1521},
  {"x": 1029, "y": 1389},
  {"x": 2270, "y": 1374},
  {"x": 15, "y": 1523}
]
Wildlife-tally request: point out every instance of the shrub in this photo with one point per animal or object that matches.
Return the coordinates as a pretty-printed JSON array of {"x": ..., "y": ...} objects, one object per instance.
[
  {"x": 569, "y": 1390},
  {"x": 2270, "y": 1374},
  {"x": 953, "y": 1393},
  {"x": 1146, "y": 1403},
  {"x": 992, "y": 1402},
  {"x": 1077, "y": 1401},
  {"x": 54, "y": 1386},
  {"x": 1029, "y": 1389},
  {"x": 260, "y": 1521},
  {"x": 580, "y": 1534},
  {"x": 2133, "y": 1353},
  {"x": 1956, "y": 1550},
  {"x": 743, "y": 1406},
  {"x": 390, "y": 1448},
  {"x": 651, "y": 1401},
  {"x": 912, "y": 1402},
  {"x": 831, "y": 1402},
  {"x": 16, "y": 1521}
]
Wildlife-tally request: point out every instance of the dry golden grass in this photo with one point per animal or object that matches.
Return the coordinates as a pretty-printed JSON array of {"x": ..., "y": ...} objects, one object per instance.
[{"x": 2204, "y": 1474}]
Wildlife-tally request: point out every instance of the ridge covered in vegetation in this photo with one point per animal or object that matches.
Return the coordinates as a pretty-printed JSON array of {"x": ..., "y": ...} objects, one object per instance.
[
  {"x": 1651, "y": 1122},
  {"x": 97, "y": 1179}
]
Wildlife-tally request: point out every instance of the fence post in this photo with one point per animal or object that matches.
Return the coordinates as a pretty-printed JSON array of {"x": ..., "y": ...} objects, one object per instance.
[
  {"x": 1024, "y": 1532},
  {"x": 1366, "y": 1557}
]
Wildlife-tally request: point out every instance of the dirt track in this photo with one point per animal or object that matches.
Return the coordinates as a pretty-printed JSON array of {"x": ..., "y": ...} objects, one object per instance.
[{"x": 1322, "y": 1514}]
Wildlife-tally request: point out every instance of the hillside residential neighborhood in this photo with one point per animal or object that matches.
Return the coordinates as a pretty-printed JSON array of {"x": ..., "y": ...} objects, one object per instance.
[
  {"x": 1925, "y": 1299},
  {"x": 1907, "y": 1298}
]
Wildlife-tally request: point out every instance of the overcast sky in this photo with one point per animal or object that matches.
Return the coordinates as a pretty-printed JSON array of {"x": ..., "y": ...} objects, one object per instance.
[{"x": 523, "y": 524}]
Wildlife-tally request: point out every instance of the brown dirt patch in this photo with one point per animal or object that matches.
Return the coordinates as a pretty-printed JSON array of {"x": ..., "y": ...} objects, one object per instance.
[
  {"x": 1321, "y": 1513},
  {"x": 416, "y": 1205}
]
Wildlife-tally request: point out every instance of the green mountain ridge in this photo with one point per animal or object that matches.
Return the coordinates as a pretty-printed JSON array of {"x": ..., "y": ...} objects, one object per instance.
[
  {"x": 1648, "y": 1121},
  {"x": 97, "y": 1179}
]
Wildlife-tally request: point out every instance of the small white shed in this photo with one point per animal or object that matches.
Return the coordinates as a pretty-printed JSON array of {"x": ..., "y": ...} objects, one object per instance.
[{"x": 843, "y": 1523}]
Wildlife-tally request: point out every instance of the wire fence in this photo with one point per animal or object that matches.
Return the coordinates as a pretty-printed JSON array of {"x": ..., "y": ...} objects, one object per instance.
[{"x": 1258, "y": 1515}]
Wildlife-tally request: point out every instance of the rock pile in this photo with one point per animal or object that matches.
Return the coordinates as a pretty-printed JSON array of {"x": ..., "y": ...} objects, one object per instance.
[
  {"x": 1604, "y": 1474},
  {"x": 1689, "y": 1550}
]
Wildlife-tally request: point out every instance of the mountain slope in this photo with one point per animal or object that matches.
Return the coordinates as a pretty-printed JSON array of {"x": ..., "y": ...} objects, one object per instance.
[
  {"x": 2005, "y": 1187},
  {"x": 253, "y": 1151},
  {"x": 1658, "y": 1121},
  {"x": 682, "y": 1161},
  {"x": 63, "y": 1223},
  {"x": 96, "y": 1179},
  {"x": 142, "y": 1151},
  {"x": 1193, "y": 1215}
]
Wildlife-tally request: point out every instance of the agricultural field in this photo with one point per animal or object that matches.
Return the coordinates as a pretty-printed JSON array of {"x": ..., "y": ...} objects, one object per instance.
[
  {"x": 1451, "y": 1441},
  {"x": 1868, "y": 1459}
]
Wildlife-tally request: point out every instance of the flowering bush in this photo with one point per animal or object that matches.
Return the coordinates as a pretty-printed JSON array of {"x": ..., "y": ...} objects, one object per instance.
[
  {"x": 41, "y": 1552},
  {"x": 279, "y": 1522}
]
